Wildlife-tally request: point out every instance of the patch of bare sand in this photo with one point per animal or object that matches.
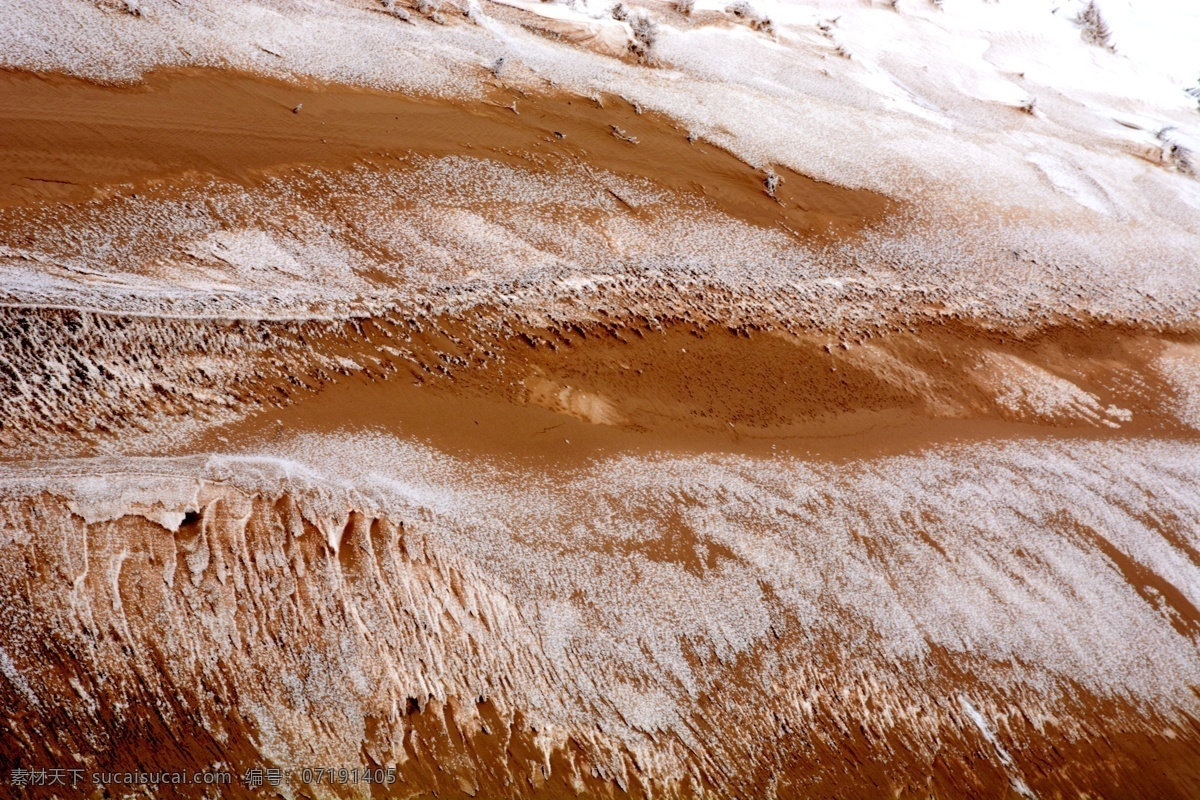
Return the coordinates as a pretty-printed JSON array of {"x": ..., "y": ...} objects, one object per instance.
[{"x": 68, "y": 140}]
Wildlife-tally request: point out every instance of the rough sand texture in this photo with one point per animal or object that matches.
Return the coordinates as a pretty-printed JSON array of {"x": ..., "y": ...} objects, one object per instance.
[{"x": 553, "y": 400}]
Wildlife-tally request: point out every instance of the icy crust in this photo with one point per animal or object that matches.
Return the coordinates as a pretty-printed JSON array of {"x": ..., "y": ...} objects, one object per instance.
[
  {"x": 324, "y": 41},
  {"x": 952, "y": 104},
  {"x": 423, "y": 229}
]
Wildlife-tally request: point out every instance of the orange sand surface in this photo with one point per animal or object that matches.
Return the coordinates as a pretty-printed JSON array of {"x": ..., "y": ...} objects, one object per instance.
[
  {"x": 67, "y": 139},
  {"x": 706, "y": 544}
]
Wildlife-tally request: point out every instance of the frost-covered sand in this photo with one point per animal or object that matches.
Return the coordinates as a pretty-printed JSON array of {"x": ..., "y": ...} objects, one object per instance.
[{"x": 558, "y": 399}]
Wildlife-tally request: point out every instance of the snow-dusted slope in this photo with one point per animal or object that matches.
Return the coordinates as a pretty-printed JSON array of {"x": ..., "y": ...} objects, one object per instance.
[
  {"x": 655, "y": 399},
  {"x": 998, "y": 124}
]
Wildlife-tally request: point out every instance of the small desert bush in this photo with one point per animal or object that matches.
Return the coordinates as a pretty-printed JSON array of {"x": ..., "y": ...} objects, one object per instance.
[
  {"x": 1094, "y": 28},
  {"x": 751, "y": 16}
]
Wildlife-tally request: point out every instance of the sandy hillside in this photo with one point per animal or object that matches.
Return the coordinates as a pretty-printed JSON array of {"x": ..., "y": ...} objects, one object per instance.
[{"x": 568, "y": 399}]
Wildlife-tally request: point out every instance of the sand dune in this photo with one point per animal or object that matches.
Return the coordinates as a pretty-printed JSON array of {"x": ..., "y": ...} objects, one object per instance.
[{"x": 758, "y": 400}]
